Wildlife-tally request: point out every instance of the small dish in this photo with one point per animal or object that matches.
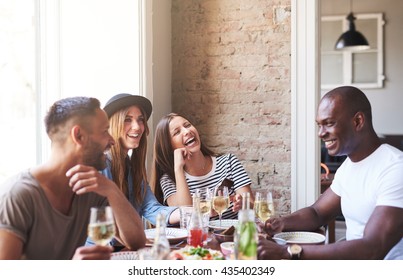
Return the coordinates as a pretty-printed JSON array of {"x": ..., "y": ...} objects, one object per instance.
[
  {"x": 227, "y": 248},
  {"x": 301, "y": 237},
  {"x": 125, "y": 255},
  {"x": 215, "y": 225},
  {"x": 222, "y": 237},
  {"x": 174, "y": 235}
]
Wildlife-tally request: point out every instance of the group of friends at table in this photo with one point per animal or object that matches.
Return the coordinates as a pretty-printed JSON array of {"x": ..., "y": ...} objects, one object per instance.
[{"x": 98, "y": 158}]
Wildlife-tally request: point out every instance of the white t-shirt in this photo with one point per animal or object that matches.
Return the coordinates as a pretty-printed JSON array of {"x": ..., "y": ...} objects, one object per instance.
[{"x": 375, "y": 180}]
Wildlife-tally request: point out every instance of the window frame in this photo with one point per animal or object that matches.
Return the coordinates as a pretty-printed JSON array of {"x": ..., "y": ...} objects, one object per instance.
[
  {"x": 49, "y": 71},
  {"x": 348, "y": 55}
]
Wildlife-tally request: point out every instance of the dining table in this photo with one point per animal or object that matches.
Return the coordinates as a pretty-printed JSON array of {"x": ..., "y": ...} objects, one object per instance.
[{"x": 211, "y": 242}]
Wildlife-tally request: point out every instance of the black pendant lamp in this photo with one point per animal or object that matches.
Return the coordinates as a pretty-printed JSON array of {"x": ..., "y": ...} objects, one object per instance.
[{"x": 352, "y": 39}]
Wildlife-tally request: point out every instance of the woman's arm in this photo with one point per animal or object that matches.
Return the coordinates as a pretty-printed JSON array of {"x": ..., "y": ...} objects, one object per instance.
[
  {"x": 237, "y": 199},
  {"x": 151, "y": 207},
  {"x": 84, "y": 179},
  {"x": 182, "y": 195}
]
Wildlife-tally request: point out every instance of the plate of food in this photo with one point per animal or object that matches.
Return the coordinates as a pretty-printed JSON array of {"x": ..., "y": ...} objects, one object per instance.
[
  {"x": 174, "y": 235},
  {"x": 301, "y": 237},
  {"x": 215, "y": 225},
  {"x": 125, "y": 255},
  {"x": 196, "y": 253}
]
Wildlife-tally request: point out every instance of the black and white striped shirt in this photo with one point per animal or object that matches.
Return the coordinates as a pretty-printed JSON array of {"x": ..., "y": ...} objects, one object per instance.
[{"x": 224, "y": 166}]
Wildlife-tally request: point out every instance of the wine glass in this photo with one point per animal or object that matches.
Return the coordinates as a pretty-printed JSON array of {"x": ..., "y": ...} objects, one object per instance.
[
  {"x": 220, "y": 200},
  {"x": 258, "y": 197},
  {"x": 265, "y": 208},
  {"x": 205, "y": 201},
  {"x": 101, "y": 228},
  {"x": 206, "y": 196}
]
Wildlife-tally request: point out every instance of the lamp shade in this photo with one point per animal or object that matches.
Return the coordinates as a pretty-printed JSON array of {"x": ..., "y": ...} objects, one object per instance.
[{"x": 352, "y": 39}]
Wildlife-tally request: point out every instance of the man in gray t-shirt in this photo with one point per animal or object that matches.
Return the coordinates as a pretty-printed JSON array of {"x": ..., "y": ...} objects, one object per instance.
[{"x": 44, "y": 211}]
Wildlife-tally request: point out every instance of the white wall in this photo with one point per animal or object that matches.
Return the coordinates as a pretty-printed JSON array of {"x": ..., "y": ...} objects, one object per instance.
[
  {"x": 162, "y": 59},
  {"x": 386, "y": 102}
]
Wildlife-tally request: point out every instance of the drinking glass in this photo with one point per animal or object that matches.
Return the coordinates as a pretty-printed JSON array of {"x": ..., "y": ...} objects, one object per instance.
[
  {"x": 258, "y": 197},
  {"x": 265, "y": 208},
  {"x": 101, "y": 228},
  {"x": 185, "y": 212},
  {"x": 145, "y": 254},
  {"x": 205, "y": 201},
  {"x": 206, "y": 196},
  {"x": 220, "y": 200},
  {"x": 146, "y": 223}
]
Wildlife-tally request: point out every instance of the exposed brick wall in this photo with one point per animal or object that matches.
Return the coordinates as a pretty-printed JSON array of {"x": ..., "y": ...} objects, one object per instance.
[{"x": 231, "y": 77}]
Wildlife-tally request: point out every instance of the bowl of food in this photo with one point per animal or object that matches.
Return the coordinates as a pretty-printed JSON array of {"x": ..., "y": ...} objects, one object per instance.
[
  {"x": 227, "y": 248},
  {"x": 226, "y": 235}
]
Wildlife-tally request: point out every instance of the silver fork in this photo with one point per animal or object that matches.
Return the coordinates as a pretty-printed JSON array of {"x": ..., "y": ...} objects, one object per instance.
[{"x": 177, "y": 245}]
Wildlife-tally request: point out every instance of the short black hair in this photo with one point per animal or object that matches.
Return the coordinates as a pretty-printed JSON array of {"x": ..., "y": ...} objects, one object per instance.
[
  {"x": 354, "y": 100},
  {"x": 65, "y": 109}
]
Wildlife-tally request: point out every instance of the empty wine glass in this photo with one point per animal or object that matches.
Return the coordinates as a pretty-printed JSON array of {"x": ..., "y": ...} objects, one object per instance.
[
  {"x": 220, "y": 200},
  {"x": 101, "y": 228}
]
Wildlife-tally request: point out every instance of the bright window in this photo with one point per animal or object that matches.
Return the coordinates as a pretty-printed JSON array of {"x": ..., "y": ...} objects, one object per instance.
[{"x": 52, "y": 49}]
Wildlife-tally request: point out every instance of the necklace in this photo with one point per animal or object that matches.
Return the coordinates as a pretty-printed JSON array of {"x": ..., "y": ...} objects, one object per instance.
[{"x": 200, "y": 168}]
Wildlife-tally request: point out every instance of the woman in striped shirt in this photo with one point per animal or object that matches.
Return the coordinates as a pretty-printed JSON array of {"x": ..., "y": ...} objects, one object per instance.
[{"x": 183, "y": 164}]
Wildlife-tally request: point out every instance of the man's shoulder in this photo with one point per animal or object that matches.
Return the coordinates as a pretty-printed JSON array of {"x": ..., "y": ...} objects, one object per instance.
[
  {"x": 386, "y": 148},
  {"x": 18, "y": 183},
  {"x": 387, "y": 154}
]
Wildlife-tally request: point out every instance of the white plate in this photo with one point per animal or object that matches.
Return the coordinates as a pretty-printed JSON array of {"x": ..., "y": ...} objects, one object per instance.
[
  {"x": 215, "y": 225},
  {"x": 126, "y": 255},
  {"x": 301, "y": 237},
  {"x": 174, "y": 235}
]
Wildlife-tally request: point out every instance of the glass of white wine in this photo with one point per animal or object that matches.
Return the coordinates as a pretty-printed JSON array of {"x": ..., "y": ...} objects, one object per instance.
[
  {"x": 220, "y": 200},
  {"x": 265, "y": 208},
  {"x": 205, "y": 201},
  {"x": 258, "y": 197},
  {"x": 101, "y": 228}
]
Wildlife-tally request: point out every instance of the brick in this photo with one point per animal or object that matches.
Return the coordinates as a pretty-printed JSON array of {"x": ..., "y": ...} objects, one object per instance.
[{"x": 231, "y": 76}]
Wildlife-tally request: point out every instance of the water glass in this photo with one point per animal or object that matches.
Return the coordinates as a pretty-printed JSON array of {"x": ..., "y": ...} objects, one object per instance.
[
  {"x": 146, "y": 223},
  {"x": 185, "y": 214},
  {"x": 206, "y": 221},
  {"x": 145, "y": 254}
]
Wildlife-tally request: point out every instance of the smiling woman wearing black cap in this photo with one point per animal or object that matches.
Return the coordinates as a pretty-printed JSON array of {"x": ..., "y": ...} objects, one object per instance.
[{"x": 128, "y": 115}]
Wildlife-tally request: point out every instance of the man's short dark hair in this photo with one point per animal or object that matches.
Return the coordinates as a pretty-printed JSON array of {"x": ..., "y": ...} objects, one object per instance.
[
  {"x": 68, "y": 108},
  {"x": 354, "y": 99}
]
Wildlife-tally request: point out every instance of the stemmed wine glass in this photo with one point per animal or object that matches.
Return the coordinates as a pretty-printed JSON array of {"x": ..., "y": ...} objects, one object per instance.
[
  {"x": 258, "y": 197},
  {"x": 101, "y": 228},
  {"x": 265, "y": 207},
  {"x": 205, "y": 201},
  {"x": 220, "y": 200}
]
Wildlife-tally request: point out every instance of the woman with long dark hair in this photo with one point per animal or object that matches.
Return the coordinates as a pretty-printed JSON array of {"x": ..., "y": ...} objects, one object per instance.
[{"x": 183, "y": 164}]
